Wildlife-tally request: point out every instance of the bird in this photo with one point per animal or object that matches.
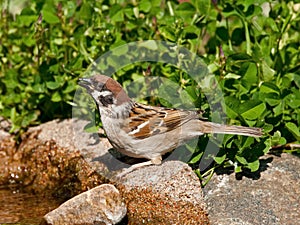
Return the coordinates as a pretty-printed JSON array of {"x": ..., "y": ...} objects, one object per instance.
[{"x": 143, "y": 131}]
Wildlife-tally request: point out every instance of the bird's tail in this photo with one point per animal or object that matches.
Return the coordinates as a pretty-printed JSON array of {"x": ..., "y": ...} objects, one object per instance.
[{"x": 209, "y": 127}]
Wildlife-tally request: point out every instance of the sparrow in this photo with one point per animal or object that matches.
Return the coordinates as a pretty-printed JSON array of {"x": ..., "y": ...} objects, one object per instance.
[{"x": 142, "y": 131}]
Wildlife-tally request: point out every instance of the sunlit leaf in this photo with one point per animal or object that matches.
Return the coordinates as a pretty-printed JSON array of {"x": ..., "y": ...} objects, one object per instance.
[
  {"x": 50, "y": 17},
  {"x": 252, "y": 109},
  {"x": 293, "y": 129}
]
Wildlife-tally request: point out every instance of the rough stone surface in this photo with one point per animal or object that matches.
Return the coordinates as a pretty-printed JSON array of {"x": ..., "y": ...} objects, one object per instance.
[
  {"x": 4, "y": 128},
  {"x": 166, "y": 194},
  {"x": 271, "y": 196},
  {"x": 100, "y": 205},
  {"x": 45, "y": 164},
  {"x": 60, "y": 157},
  {"x": 93, "y": 147},
  {"x": 5, "y": 125}
]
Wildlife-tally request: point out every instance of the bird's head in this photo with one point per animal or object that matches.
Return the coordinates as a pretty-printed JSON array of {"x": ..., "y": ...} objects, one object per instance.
[{"x": 105, "y": 91}]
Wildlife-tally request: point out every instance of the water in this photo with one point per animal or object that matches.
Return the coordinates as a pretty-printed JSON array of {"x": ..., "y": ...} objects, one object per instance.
[{"x": 24, "y": 208}]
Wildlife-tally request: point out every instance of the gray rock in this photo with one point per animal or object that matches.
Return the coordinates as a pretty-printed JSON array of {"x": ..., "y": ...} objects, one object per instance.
[
  {"x": 271, "y": 196},
  {"x": 5, "y": 126},
  {"x": 169, "y": 193},
  {"x": 100, "y": 205},
  {"x": 70, "y": 134},
  {"x": 93, "y": 147},
  {"x": 172, "y": 188},
  {"x": 165, "y": 194}
]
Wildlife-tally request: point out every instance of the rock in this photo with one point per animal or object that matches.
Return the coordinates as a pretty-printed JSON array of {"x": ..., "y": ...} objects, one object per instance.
[
  {"x": 172, "y": 188},
  {"x": 47, "y": 160},
  {"x": 60, "y": 157},
  {"x": 5, "y": 126},
  {"x": 271, "y": 196},
  {"x": 169, "y": 193},
  {"x": 100, "y": 205},
  {"x": 93, "y": 147},
  {"x": 3, "y": 135}
]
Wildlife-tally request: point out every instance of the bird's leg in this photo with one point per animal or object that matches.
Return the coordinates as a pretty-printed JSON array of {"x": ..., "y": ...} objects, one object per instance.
[{"x": 154, "y": 161}]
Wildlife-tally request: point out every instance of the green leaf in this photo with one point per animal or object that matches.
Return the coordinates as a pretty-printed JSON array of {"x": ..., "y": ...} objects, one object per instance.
[
  {"x": 11, "y": 78},
  {"x": 70, "y": 9},
  {"x": 186, "y": 10},
  {"x": 220, "y": 159},
  {"x": 222, "y": 33},
  {"x": 119, "y": 48},
  {"x": 277, "y": 139},
  {"x": 286, "y": 80},
  {"x": 268, "y": 144},
  {"x": 237, "y": 169},
  {"x": 252, "y": 109},
  {"x": 29, "y": 118},
  {"x": 27, "y": 20},
  {"x": 232, "y": 106},
  {"x": 292, "y": 101},
  {"x": 29, "y": 40},
  {"x": 297, "y": 80},
  {"x": 38, "y": 88},
  {"x": 56, "y": 97},
  {"x": 186, "y": 99},
  {"x": 60, "y": 79},
  {"x": 192, "y": 92},
  {"x": 268, "y": 73},
  {"x": 272, "y": 99},
  {"x": 202, "y": 6},
  {"x": 13, "y": 114},
  {"x": 91, "y": 127},
  {"x": 149, "y": 44},
  {"x": 246, "y": 143},
  {"x": 278, "y": 110},
  {"x": 168, "y": 95},
  {"x": 116, "y": 13},
  {"x": 240, "y": 56},
  {"x": 268, "y": 128},
  {"x": 52, "y": 85},
  {"x": 113, "y": 61},
  {"x": 145, "y": 6},
  {"x": 196, "y": 158},
  {"x": 50, "y": 17},
  {"x": 72, "y": 86},
  {"x": 168, "y": 33},
  {"x": 253, "y": 166},
  {"x": 250, "y": 75},
  {"x": 85, "y": 11},
  {"x": 241, "y": 159},
  {"x": 238, "y": 36},
  {"x": 268, "y": 87},
  {"x": 293, "y": 129}
]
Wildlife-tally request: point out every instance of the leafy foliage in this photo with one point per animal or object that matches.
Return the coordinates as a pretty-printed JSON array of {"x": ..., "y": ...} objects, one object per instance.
[{"x": 252, "y": 48}]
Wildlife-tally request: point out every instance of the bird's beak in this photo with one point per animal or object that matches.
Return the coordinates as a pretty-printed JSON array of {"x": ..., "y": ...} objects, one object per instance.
[{"x": 85, "y": 82}]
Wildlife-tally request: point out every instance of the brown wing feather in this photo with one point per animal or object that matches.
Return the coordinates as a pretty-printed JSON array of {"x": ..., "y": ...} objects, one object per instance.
[{"x": 148, "y": 121}]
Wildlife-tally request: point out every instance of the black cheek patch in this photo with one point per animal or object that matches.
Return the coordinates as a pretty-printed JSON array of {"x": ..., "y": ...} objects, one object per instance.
[{"x": 106, "y": 100}]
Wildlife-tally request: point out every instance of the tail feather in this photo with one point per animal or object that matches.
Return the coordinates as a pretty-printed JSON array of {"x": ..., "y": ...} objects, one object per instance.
[{"x": 209, "y": 127}]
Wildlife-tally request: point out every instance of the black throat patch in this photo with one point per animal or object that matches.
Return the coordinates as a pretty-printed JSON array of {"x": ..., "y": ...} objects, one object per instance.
[{"x": 106, "y": 100}]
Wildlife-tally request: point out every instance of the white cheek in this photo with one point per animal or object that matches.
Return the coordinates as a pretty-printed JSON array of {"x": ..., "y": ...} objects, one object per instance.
[{"x": 96, "y": 95}]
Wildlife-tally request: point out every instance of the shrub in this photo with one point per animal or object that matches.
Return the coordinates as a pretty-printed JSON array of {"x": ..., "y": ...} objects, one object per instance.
[{"x": 252, "y": 48}]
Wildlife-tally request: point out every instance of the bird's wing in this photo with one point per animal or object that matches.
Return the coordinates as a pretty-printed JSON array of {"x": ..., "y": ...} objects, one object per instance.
[{"x": 147, "y": 121}]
